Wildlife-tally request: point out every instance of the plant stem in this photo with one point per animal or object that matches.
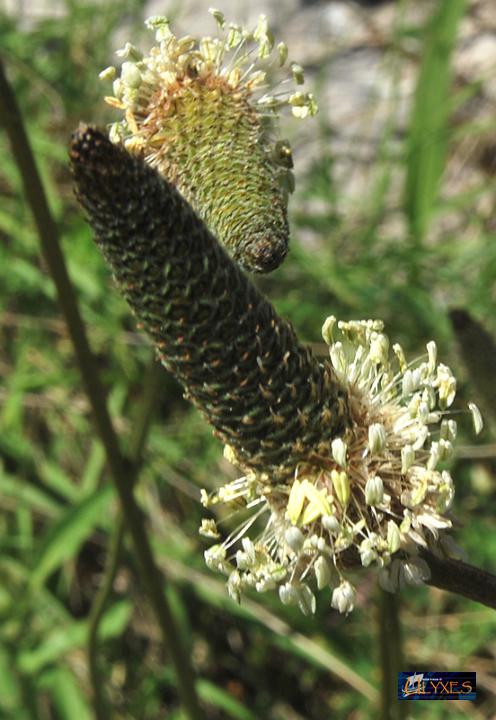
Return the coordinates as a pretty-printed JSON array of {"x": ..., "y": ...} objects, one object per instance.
[
  {"x": 151, "y": 396},
  {"x": 391, "y": 654},
  {"x": 153, "y": 580},
  {"x": 462, "y": 579},
  {"x": 96, "y": 614}
]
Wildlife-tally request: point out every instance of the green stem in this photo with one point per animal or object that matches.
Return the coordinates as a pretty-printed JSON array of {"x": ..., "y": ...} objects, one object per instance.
[
  {"x": 151, "y": 396},
  {"x": 391, "y": 654},
  {"x": 96, "y": 615},
  {"x": 153, "y": 580}
]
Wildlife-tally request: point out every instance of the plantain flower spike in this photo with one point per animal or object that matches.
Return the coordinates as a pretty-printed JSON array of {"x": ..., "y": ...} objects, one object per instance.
[
  {"x": 342, "y": 463},
  {"x": 201, "y": 112},
  {"x": 379, "y": 494}
]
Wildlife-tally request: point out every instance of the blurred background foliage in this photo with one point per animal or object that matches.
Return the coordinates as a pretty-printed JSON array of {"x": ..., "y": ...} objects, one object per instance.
[{"x": 414, "y": 244}]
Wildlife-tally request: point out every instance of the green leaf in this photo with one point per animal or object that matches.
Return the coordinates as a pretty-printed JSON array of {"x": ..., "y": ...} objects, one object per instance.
[
  {"x": 26, "y": 495},
  {"x": 66, "y": 638},
  {"x": 66, "y": 536},
  {"x": 428, "y": 136},
  {"x": 9, "y": 691},
  {"x": 95, "y": 463},
  {"x": 223, "y": 700},
  {"x": 56, "y": 478},
  {"x": 66, "y": 694},
  {"x": 477, "y": 348}
]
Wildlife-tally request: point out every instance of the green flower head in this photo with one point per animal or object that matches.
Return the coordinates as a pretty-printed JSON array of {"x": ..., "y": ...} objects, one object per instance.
[{"x": 201, "y": 112}]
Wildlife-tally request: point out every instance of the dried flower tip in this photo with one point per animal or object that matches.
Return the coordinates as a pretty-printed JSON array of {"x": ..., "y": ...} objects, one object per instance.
[
  {"x": 446, "y": 384},
  {"x": 209, "y": 529},
  {"x": 298, "y": 73},
  {"x": 282, "y": 50},
  {"x": 374, "y": 491},
  {"x": 341, "y": 484},
  {"x": 476, "y": 417},
  {"x": 393, "y": 537},
  {"x": 344, "y": 597},
  {"x": 323, "y": 572},
  {"x": 327, "y": 329},
  {"x": 129, "y": 51},
  {"x": 219, "y": 17},
  {"x": 377, "y": 437},
  {"x": 339, "y": 450},
  {"x": 108, "y": 74},
  {"x": 294, "y": 538},
  {"x": 306, "y": 600}
]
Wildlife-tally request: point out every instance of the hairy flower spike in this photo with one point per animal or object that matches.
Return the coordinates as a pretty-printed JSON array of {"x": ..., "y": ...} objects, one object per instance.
[{"x": 198, "y": 111}]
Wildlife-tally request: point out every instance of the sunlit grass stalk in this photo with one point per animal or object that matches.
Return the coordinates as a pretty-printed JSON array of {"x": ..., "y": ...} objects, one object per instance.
[{"x": 121, "y": 472}]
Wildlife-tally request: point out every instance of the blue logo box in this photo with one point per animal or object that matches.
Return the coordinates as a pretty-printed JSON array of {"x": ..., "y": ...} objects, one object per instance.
[{"x": 436, "y": 685}]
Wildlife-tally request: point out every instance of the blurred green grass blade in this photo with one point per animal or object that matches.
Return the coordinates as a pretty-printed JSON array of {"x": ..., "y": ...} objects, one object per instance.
[
  {"x": 24, "y": 518},
  {"x": 9, "y": 691},
  {"x": 478, "y": 351},
  {"x": 23, "y": 493},
  {"x": 92, "y": 472},
  {"x": 219, "y": 698},
  {"x": 72, "y": 636},
  {"x": 216, "y": 696},
  {"x": 65, "y": 537},
  {"x": 93, "y": 468},
  {"x": 66, "y": 694},
  {"x": 180, "y": 616},
  {"x": 11, "y": 225},
  {"x": 58, "y": 480},
  {"x": 213, "y": 592},
  {"x": 428, "y": 135}
]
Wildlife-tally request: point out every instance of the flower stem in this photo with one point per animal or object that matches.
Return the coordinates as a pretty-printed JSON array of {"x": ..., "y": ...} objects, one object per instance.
[
  {"x": 462, "y": 579},
  {"x": 122, "y": 474},
  {"x": 151, "y": 396},
  {"x": 96, "y": 615},
  {"x": 391, "y": 654}
]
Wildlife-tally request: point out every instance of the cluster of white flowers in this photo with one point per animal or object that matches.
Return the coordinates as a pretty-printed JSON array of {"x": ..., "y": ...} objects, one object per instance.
[
  {"x": 380, "y": 496},
  {"x": 238, "y": 60}
]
